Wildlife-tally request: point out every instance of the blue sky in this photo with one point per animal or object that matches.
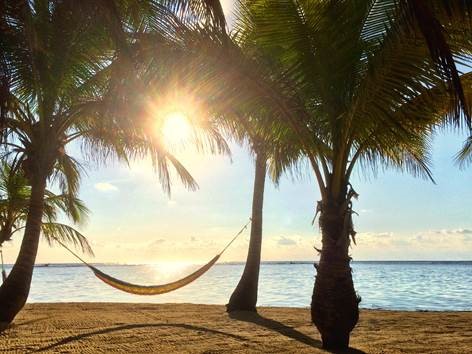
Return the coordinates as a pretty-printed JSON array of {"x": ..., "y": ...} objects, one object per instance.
[{"x": 400, "y": 217}]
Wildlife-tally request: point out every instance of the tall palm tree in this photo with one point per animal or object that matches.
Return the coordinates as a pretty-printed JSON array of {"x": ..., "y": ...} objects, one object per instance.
[
  {"x": 366, "y": 87},
  {"x": 271, "y": 155},
  {"x": 244, "y": 296},
  {"x": 14, "y": 201},
  {"x": 273, "y": 148},
  {"x": 65, "y": 68}
]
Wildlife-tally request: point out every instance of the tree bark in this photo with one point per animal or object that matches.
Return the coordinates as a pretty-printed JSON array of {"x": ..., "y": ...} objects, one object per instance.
[
  {"x": 244, "y": 297},
  {"x": 335, "y": 304},
  {"x": 14, "y": 291}
]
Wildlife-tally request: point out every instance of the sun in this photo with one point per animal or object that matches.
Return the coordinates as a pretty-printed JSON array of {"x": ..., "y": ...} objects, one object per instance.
[{"x": 176, "y": 128}]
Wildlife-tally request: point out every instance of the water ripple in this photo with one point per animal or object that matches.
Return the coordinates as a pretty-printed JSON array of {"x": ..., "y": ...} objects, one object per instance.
[{"x": 388, "y": 285}]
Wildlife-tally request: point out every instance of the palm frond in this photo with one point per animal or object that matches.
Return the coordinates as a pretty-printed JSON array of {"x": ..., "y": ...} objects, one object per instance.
[
  {"x": 464, "y": 156},
  {"x": 67, "y": 174},
  {"x": 70, "y": 205},
  {"x": 372, "y": 86},
  {"x": 54, "y": 232},
  {"x": 435, "y": 21}
]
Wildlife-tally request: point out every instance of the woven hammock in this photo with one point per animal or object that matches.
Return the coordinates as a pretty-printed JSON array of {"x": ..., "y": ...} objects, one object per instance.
[{"x": 152, "y": 289}]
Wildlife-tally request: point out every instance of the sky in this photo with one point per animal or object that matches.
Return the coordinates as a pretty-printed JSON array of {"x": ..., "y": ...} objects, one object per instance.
[{"x": 400, "y": 217}]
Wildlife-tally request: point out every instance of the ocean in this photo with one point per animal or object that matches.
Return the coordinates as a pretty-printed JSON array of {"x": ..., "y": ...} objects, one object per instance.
[{"x": 426, "y": 286}]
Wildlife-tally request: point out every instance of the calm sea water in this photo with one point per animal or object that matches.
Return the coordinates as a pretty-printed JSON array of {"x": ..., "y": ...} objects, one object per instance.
[{"x": 387, "y": 285}]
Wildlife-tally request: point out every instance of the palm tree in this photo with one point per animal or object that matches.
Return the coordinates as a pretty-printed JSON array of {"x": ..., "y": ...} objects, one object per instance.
[
  {"x": 244, "y": 296},
  {"x": 272, "y": 157},
  {"x": 14, "y": 200},
  {"x": 370, "y": 94},
  {"x": 273, "y": 148},
  {"x": 66, "y": 67}
]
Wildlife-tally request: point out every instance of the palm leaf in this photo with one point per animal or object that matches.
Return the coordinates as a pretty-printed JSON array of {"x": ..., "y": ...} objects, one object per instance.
[
  {"x": 54, "y": 232},
  {"x": 464, "y": 157}
]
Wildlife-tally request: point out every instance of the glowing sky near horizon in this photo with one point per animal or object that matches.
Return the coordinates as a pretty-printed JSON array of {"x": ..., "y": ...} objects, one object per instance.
[{"x": 400, "y": 218}]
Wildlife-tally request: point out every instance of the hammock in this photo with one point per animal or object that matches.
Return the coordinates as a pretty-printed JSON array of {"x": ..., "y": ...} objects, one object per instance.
[{"x": 153, "y": 289}]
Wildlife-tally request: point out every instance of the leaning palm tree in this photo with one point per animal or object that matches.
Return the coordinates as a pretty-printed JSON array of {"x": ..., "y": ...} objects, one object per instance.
[
  {"x": 14, "y": 201},
  {"x": 63, "y": 69},
  {"x": 244, "y": 296},
  {"x": 273, "y": 149},
  {"x": 271, "y": 154},
  {"x": 369, "y": 93}
]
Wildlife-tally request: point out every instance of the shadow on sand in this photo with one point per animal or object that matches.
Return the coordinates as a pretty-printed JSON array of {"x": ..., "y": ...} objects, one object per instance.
[
  {"x": 254, "y": 317},
  {"x": 25, "y": 323},
  {"x": 70, "y": 339}
]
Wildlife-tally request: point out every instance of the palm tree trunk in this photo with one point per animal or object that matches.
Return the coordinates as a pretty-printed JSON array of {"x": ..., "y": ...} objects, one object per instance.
[
  {"x": 244, "y": 297},
  {"x": 335, "y": 305},
  {"x": 14, "y": 291}
]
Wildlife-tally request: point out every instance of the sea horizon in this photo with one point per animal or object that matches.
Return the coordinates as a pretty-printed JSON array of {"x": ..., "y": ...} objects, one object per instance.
[{"x": 79, "y": 264}]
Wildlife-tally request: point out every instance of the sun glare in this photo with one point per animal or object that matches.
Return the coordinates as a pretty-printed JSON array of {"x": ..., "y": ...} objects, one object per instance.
[
  {"x": 176, "y": 129},
  {"x": 170, "y": 269}
]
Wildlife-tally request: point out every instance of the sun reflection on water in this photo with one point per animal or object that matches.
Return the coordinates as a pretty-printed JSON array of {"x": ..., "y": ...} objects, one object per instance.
[{"x": 171, "y": 270}]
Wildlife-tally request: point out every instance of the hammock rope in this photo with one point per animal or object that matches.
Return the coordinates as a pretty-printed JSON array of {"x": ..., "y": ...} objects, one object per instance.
[{"x": 153, "y": 289}]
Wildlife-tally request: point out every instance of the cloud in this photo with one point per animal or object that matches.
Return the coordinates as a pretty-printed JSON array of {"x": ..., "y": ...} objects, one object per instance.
[
  {"x": 384, "y": 234},
  {"x": 453, "y": 231},
  {"x": 105, "y": 187},
  {"x": 451, "y": 243},
  {"x": 380, "y": 238},
  {"x": 462, "y": 231},
  {"x": 285, "y": 241},
  {"x": 156, "y": 243},
  {"x": 446, "y": 236}
]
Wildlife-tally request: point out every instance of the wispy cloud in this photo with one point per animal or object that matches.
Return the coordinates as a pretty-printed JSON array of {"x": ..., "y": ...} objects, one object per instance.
[
  {"x": 283, "y": 241},
  {"x": 288, "y": 240},
  {"x": 156, "y": 243},
  {"x": 453, "y": 243},
  {"x": 105, "y": 187},
  {"x": 454, "y": 231}
]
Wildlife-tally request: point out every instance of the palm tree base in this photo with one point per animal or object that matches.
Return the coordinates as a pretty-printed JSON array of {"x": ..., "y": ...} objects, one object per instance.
[
  {"x": 4, "y": 326},
  {"x": 335, "y": 341},
  {"x": 236, "y": 306},
  {"x": 12, "y": 301}
]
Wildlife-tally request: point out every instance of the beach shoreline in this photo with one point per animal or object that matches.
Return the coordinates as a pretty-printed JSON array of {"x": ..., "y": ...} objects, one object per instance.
[{"x": 150, "y": 328}]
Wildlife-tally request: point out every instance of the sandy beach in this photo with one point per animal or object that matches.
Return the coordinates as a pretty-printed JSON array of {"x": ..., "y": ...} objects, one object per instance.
[{"x": 164, "y": 328}]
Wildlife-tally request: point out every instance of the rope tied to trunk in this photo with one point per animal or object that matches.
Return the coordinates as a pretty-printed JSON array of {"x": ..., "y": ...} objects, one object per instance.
[{"x": 153, "y": 289}]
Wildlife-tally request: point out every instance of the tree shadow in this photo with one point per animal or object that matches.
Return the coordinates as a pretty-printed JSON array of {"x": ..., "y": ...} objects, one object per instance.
[
  {"x": 8, "y": 325},
  {"x": 133, "y": 326},
  {"x": 30, "y": 321},
  {"x": 254, "y": 317}
]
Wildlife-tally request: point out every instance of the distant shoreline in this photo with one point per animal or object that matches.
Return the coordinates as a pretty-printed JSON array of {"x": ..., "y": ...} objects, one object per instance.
[{"x": 76, "y": 264}]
